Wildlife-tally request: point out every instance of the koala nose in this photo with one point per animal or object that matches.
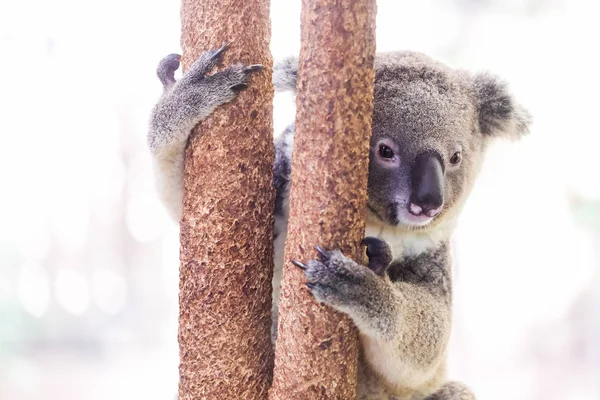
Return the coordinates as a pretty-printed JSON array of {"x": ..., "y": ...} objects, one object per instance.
[{"x": 427, "y": 196}]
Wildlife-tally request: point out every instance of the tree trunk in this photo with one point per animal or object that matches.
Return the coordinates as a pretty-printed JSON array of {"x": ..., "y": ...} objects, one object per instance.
[
  {"x": 227, "y": 221},
  {"x": 317, "y": 348}
]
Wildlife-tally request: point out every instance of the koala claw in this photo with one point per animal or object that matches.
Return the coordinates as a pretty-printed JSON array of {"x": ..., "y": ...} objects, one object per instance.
[
  {"x": 379, "y": 253},
  {"x": 207, "y": 61},
  {"x": 217, "y": 54},
  {"x": 253, "y": 68},
  {"x": 299, "y": 265},
  {"x": 323, "y": 253},
  {"x": 239, "y": 87}
]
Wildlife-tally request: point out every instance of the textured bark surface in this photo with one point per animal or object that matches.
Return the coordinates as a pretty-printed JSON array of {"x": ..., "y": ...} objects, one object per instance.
[
  {"x": 227, "y": 223},
  {"x": 317, "y": 348}
]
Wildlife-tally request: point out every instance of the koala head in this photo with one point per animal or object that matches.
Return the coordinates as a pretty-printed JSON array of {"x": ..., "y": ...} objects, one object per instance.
[{"x": 431, "y": 127}]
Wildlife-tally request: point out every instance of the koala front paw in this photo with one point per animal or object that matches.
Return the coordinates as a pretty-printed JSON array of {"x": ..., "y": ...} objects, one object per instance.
[
  {"x": 193, "y": 98},
  {"x": 353, "y": 289},
  {"x": 223, "y": 85},
  {"x": 336, "y": 280},
  {"x": 379, "y": 253}
]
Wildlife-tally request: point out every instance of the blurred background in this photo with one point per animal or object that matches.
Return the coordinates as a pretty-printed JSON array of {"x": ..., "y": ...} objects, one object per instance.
[{"x": 89, "y": 259}]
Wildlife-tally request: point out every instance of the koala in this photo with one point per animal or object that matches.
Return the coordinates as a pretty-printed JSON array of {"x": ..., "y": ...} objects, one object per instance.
[{"x": 431, "y": 126}]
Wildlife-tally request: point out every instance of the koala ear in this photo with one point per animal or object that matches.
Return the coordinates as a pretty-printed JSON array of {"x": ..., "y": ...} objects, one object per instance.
[{"x": 499, "y": 113}]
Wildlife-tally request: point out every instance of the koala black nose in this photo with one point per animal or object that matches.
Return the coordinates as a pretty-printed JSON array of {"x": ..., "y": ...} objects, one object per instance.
[{"x": 427, "y": 196}]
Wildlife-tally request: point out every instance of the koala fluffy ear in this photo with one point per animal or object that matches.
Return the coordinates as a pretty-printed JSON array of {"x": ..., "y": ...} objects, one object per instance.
[{"x": 499, "y": 113}]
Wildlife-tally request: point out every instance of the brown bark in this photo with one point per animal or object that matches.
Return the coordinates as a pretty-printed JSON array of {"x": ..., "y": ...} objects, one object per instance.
[
  {"x": 317, "y": 348},
  {"x": 227, "y": 222}
]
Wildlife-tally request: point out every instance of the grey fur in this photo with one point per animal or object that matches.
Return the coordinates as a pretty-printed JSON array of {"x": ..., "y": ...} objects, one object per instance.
[
  {"x": 285, "y": 74},
  {"x": 166, "y": 70},
  {"x": 402, "y": 302},
  {"x": 498, "y": 112},
  {"x": 430, "y": 270},
  {"x": 452, "y": 391},
  {"x": 282, "y": 168}
]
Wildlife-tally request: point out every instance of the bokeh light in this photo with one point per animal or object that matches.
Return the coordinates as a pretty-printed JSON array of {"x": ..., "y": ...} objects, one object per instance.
[
  {"x": 109, "y": 290},
  {"x": 72, "y": 291},
  {"x": 33, "y": 289}
]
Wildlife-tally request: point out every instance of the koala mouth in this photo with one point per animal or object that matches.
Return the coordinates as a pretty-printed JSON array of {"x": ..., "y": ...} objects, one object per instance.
[{"x": 398, "y": 214}]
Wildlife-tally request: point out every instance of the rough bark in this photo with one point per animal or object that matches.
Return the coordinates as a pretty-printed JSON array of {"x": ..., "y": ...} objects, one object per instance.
[
  {"x": 227, "y": 223},
  {"x": 317, "y": 348}
]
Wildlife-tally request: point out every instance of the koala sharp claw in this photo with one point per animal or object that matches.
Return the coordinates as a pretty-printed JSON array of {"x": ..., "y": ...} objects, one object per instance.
[
  {"x": 253, "y": 68},
  {"x": 379, "y": 253},
  {"x": 239, "y": 87},
  {"x": 299, "y": 264},
  {"x": 207, "y": 61},
  {"x": 217, "y": 54},
  {"x": 323, "y": 253}
]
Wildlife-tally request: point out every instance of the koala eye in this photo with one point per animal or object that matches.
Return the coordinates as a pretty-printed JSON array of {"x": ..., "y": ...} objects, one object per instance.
[
  {"x": 385, "y": 151},
  {"x": 456, "y": 158}
]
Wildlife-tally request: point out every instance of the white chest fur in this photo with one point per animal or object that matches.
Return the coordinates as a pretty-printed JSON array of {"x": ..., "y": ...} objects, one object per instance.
[{"x": 407, "y": 243}]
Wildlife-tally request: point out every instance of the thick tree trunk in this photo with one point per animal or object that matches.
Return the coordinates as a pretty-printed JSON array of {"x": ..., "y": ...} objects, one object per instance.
[
  {"x": 317, "y": 348},
  {"x": 227, "y": 222}
]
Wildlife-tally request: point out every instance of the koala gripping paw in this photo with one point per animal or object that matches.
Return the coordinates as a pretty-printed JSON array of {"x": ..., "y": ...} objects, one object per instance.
[
  {"x": 336, "y": 280},
  {"x": 193, "y": 98},
  {"x": 232, "y": 78}
]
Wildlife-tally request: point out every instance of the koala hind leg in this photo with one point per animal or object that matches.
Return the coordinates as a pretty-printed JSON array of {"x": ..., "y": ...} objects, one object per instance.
[{"x": 452, "y": 391}]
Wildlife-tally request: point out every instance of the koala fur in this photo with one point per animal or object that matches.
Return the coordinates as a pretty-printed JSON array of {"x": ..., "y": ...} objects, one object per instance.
[{"x": 431, "y": 127}]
